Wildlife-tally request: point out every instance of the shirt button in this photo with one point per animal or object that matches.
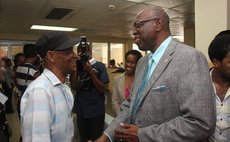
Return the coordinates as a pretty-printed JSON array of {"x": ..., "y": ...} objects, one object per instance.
[
  {"x": 221, "y": 104},
  {"x": 220, "y": 133},
  {"x": 221, "y": 119}
]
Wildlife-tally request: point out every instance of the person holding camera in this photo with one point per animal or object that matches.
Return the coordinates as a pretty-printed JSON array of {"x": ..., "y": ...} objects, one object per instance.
[{"x": 89, "y": 82}]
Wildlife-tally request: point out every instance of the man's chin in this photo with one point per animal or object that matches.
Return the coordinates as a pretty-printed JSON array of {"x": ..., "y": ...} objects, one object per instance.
[{"x": 142, "y": 48}]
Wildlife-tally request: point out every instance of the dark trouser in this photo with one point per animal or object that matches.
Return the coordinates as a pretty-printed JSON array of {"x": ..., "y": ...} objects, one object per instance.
[
  {"x": 18, "y": 107},
  {"x": 3, "y": 138},
  {"x": 18, "y": 110},
  {"x": 90, "y": 128},
  {"x": 8, "y": 92}
]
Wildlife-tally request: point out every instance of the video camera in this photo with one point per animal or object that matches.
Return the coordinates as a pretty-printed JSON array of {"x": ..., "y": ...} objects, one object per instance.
[{"x": 82, "y": 49}]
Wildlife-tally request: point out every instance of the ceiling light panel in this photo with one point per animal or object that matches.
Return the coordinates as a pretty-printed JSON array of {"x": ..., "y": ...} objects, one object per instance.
[{"x": 52, "y": 28}]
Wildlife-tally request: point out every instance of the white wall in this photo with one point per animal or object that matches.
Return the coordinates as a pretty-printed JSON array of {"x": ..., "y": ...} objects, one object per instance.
[{"x": 210, "y": 19}]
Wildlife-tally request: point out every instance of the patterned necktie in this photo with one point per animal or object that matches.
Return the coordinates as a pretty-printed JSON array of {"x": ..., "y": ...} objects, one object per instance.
[{"x": 141, "y": 89}]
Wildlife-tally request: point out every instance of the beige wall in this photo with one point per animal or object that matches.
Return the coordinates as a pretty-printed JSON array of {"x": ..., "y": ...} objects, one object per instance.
[
  {"x": 210, "y": 19},
  {"x": 228, "y": 13}
]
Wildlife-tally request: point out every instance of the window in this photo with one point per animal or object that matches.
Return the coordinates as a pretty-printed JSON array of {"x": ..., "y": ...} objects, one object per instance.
[
  {"x": 117, "y": 53},
  {"x": 100, "y": 52}
]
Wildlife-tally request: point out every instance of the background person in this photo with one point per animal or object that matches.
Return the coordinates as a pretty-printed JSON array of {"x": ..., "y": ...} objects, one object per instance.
[
  {"x": 123, "y": 83},
  {"x": 8, "y": 85},
  {"x": 4, "y": 125},
  {"x": 47, "y": 103},
  {"x": 219, "y": 54},
  {"x": 26, "y": 72},
  {"x": 172, "y": 97},
  {"x": 19, "y": 59},
  {"x": 112, "y": 63},
  {"x": 3, "y": 57},
  {"x": 89, "y": 82}
]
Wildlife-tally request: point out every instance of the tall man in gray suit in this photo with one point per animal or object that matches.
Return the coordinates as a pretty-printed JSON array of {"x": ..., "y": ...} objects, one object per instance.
[{"x": 176, "y": 103}]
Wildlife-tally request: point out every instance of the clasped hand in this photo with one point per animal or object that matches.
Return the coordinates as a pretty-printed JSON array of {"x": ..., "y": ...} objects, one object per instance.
[{"x": 127, "y": 133}]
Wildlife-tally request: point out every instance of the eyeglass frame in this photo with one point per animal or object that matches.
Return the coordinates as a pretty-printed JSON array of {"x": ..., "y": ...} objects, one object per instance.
[{"x": 139, "y": 24}]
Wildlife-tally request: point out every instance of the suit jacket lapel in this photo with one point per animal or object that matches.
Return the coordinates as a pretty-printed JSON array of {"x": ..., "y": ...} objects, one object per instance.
[{"x": 161, "y": 66}]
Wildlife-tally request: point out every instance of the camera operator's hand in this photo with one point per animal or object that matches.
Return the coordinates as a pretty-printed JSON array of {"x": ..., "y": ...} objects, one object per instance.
[
  {"x": 88, "y": 68},
  {"x": 78, "y": 56},
  {"x": 96, "y": 82}
]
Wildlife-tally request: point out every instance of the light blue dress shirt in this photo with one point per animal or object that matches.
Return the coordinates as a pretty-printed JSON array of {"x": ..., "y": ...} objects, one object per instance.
[{"x": 156, "y": 56}]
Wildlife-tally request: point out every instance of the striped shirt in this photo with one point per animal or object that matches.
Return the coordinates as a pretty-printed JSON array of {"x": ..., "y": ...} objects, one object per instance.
[
  {"x": 46, "y": 110},
  {"x": 25, "y": 75}
]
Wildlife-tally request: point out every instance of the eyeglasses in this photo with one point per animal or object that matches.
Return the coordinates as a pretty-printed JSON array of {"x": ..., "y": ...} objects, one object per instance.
[{"x": 138, "y": 24}]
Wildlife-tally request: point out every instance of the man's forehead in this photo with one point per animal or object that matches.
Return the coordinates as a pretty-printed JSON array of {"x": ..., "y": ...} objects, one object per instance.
[{"x": 145, "y": 14}]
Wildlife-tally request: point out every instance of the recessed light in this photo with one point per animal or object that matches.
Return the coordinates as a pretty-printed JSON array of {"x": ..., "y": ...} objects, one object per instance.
[{"x": 52, "y": 28}]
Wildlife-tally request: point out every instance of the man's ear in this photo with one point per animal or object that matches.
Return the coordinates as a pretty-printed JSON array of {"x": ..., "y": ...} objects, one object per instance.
[
  {"x": 158, "y": 24},
  {"x": 50, "y": 56},
  {"x": 216, "y": 63}
]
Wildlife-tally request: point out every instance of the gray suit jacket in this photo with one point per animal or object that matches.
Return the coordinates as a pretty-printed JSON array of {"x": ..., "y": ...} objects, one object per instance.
[{"x": 178, "y": 103}]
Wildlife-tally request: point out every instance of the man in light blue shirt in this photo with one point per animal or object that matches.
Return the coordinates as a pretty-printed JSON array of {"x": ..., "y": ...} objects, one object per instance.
[{"x": 47, "y": 103}]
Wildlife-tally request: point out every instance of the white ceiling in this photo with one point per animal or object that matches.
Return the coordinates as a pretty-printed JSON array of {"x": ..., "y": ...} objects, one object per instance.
[{"x": 93, "y": 18}]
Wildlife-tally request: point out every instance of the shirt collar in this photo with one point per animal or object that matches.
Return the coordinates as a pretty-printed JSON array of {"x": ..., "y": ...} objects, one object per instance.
[
  {"x": 156, "y": 56},
  {"x": 228, "y": 91},
  {"x": 52, "y": 77}
]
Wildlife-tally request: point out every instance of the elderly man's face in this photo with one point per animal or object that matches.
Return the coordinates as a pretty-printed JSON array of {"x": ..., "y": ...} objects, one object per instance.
[
  {"x": 144, "y": 30},
  {"x": 3, "y": 56},
  {"x": 65, "y": 60}
]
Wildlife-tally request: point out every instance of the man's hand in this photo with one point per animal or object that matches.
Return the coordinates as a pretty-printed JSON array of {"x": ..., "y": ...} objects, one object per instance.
[
  {"x": 127, "y": 133},
  {"x": 103, "y": 138},
  {"x": 88, "y": 68}
]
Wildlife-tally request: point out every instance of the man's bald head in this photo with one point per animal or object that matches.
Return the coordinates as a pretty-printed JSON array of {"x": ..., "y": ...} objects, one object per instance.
[{"x": 156, "y": 12}]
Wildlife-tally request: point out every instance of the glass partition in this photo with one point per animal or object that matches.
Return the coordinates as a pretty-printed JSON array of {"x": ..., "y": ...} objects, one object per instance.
[
  {"x": 100, "y": 52},
  {"x": 117, "y": 53}
]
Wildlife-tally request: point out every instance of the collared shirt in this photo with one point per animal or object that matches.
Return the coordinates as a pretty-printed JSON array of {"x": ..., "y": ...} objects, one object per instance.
[
  {"x": 222, "y": 130},
  {"x": 24, "y": 76},
  {"x": 156, "y": 56},
  {"x": 46, "y": 110}
]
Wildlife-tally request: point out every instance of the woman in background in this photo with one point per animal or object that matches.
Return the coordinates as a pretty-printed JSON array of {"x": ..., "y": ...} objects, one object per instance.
[{"x": 123, "y": 83}]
